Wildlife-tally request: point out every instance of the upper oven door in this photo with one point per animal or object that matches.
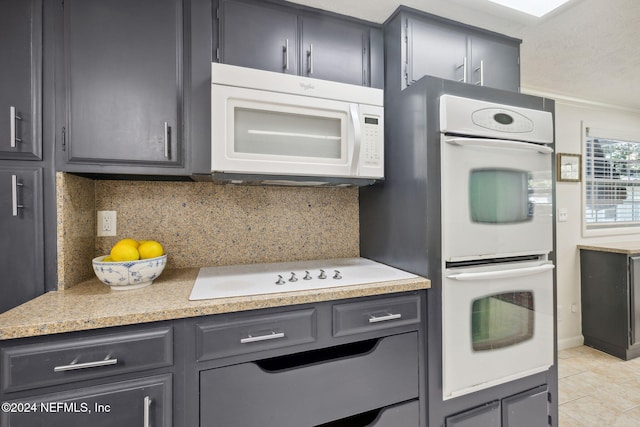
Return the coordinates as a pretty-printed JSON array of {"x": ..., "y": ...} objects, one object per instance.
[
  {"x": 496, "y": 198},
  {"x": 255, "y": 131}
]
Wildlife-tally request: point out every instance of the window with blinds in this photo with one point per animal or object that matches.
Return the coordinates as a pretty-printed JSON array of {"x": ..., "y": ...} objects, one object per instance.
[{"x": 612, "y": 179}]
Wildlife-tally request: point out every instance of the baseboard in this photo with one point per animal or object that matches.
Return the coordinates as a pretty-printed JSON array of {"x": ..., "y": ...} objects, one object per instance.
[{"x": 571, "y": 342}]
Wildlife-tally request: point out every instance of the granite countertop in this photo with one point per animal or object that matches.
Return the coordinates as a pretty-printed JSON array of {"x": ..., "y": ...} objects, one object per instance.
[
  {"x": 93, "y": 305},
  {"x": 628, "y": 248}
]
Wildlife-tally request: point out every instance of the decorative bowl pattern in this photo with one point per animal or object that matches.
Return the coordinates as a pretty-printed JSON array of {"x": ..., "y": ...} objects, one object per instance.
[{"x": 126, "y": 275}]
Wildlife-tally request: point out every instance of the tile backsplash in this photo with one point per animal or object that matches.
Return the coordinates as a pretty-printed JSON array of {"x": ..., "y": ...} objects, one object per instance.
[{"x": 204, "y": 224}]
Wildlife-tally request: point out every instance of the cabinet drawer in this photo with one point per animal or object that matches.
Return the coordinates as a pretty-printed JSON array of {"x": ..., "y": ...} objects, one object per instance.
[
  {"x": 358, "y": 317},
  {"x": 36, "y": 365},
  {"x": 257, "y": 333},
  {"x": 126, "y": 403},
  {"x": 313, "y": 387},
  {"x": 405, "y": 414}
]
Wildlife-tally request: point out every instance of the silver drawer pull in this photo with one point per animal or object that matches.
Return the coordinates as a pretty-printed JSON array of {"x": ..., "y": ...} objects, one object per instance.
[
  {"x": 147, "y": 408},
  {"x": 75, "y": 366},
  {"x": 13, "y": 138},
  {"x": 14, "y": 195},
  {"x": 385, "y": 318},
  {"x": 271, "y": 336}
]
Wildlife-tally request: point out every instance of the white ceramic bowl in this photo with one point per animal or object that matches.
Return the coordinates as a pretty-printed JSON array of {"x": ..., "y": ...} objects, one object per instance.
[{"x": 125, "y": 275}]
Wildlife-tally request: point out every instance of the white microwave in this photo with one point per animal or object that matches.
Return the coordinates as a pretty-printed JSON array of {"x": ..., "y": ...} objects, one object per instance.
[{"x": 283, "y": 129}]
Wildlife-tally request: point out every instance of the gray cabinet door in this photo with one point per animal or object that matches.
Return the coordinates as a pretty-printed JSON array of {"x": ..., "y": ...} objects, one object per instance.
[
  {"x": 528, "y": 409},
  {"x": 495, "y": 62},
  {"x": 123, "y": 62},
  {"x": 634, "y": 295},
  {"x": 334, "y": 50},
  {"x": 484, "y": 416},
  {"x": 21, "y": 247},
  {"x": 258, "y": 36},
  {"x": 20, "y": 74},
  {"x": 436, "y": 50},
  {"x": 141, "y": 402}
]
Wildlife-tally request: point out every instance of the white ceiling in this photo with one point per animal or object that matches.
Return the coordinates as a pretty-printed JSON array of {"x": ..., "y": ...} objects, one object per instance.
[{"x": 587, "y": 49}]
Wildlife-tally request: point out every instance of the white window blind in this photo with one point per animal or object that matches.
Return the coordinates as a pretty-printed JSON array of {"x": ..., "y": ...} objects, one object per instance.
[{"x": 612, "y": 179}]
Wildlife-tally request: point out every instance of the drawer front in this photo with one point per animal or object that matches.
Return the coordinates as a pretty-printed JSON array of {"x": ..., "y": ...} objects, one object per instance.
[
  {"x": 140, "y": 402},
  {"x": 256, "y": 333},
  {"x": 405, "y": 414},
  {"x": 314, "y": 392},
  {"x": 37, "y": 365},
  {"x": 365, "y": 316}
]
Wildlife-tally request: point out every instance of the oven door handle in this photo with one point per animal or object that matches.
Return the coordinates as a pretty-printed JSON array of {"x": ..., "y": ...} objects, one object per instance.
[
  {"x": 499, "y": 143},
  {"x": 502, "y": 274}
]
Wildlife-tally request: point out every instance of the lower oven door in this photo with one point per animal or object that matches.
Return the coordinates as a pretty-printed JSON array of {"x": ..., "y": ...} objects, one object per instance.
[{"x": 497, "y": 325}]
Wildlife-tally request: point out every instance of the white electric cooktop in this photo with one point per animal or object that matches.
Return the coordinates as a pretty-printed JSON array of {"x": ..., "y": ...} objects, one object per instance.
[{"x": 270, "y": 278}]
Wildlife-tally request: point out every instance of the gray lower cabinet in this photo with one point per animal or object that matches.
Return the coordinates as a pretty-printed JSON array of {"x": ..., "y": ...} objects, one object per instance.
[
  {"x": 527, "y": 409},
  {"x": 20, "y": 74},
  {"x": 123, "y": 83},
  {"x": 429, "y": 45},
  {"x": 610, "y": 299},
  {"x": 274, "y": 37},
  {"x": 21, "y": 228},
  {"x": 288, "y": 367},
  {"x": 102, "y": 379}
]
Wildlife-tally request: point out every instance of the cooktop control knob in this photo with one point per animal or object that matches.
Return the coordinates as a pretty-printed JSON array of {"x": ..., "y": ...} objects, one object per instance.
[
  {"x": 280, "y": 281},
  {"x": 322, "y": 275},
  {"x": 307, "y": 276},
  {"x": 293, "y": 277},
  {"x": 337, "y": 276}
]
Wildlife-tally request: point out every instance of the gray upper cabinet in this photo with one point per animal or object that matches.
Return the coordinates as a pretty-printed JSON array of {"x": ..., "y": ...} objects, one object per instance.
[
  {"x": 124, "y": 82},
  {"x": 273, "y": 37},
  {"x": 21, "y": 252},
  {"x": 20, "y": 73},
  {"x": 419, "y": 44}
]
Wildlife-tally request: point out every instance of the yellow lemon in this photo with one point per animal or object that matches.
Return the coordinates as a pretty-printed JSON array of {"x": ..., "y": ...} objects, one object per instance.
[
  {"x": 107, "y": 259},
  {"x": 124, "y": 252},
  {"x": 150, "y": 249},
  {"x": 130, "y": 242}
]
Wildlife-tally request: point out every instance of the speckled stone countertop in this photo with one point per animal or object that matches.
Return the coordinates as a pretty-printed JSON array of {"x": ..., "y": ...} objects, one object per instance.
[
  {"x": 93, "y": 305},
  {"x": 628, "y": 248}
]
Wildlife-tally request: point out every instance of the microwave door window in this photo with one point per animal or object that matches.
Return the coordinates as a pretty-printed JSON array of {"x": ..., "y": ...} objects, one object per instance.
[
  {"x": 499, "y": 196},
  {"x": 284, "y": 134},
  {"x": 502, "y": 320}
]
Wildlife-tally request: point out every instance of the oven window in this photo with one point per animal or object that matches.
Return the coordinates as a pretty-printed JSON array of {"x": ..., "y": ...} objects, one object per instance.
[
  {"x": 499, "y": 196},
  {"x": 502, "y": 320}
]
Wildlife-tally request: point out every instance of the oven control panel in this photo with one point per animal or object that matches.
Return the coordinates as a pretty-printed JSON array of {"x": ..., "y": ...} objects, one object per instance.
[{"x": 502, "y": 120}]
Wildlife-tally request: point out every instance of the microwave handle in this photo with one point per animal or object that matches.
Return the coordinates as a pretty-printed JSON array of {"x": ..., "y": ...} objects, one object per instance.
[
  {"x": 499, "y": 143},
  {"x": 357, "y": 138},
  {"x": 501, "y": 274}
]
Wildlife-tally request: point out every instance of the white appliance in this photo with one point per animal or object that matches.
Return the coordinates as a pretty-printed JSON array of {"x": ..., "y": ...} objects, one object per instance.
[
  {"x": 272, "y": 126},
  {"x": 269, "y": 278},
  {"x": 497, "y": 233}
]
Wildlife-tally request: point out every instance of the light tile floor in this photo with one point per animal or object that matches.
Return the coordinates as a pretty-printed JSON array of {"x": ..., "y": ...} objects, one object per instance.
[{"x": 597, "y": 390}]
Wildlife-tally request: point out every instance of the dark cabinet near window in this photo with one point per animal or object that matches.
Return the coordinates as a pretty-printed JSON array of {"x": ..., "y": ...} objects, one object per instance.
[
  {"x": 289, "y": 40},
  {"x": 610, "y": 298},
  {"x": 20, "y": 74},
  {"x": 124, "y": 83},
  {"x": 419, "y": 44},
  {"x": 21, "y": 228}
]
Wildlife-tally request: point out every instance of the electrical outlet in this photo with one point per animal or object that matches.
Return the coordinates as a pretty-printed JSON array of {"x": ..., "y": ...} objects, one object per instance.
[
  {"x": 106, "y": 223},
  {"x": 563, "y": 214}
]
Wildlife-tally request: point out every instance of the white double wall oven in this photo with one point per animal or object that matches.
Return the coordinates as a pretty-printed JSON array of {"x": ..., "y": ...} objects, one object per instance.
[{"x": 497, "y": 233}]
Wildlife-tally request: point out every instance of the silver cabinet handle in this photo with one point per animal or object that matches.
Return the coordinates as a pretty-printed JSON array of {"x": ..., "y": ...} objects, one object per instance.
[
  {"x": 272, "y": 336},
  {"x": 464, "y": 70},
  {"x": 310, "y": 59},
  {"x": 14, "y": 195},
  {"x": 385, "y": 318},
  {"x": 73, "y": 366},
  {"x": 13, "y": 138},
  {"x": 285, "y": 53},
  {"x": 147, "y": 411},
  {"x": 166, "y": 140},
  {"x": 481, "y": 69}
]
